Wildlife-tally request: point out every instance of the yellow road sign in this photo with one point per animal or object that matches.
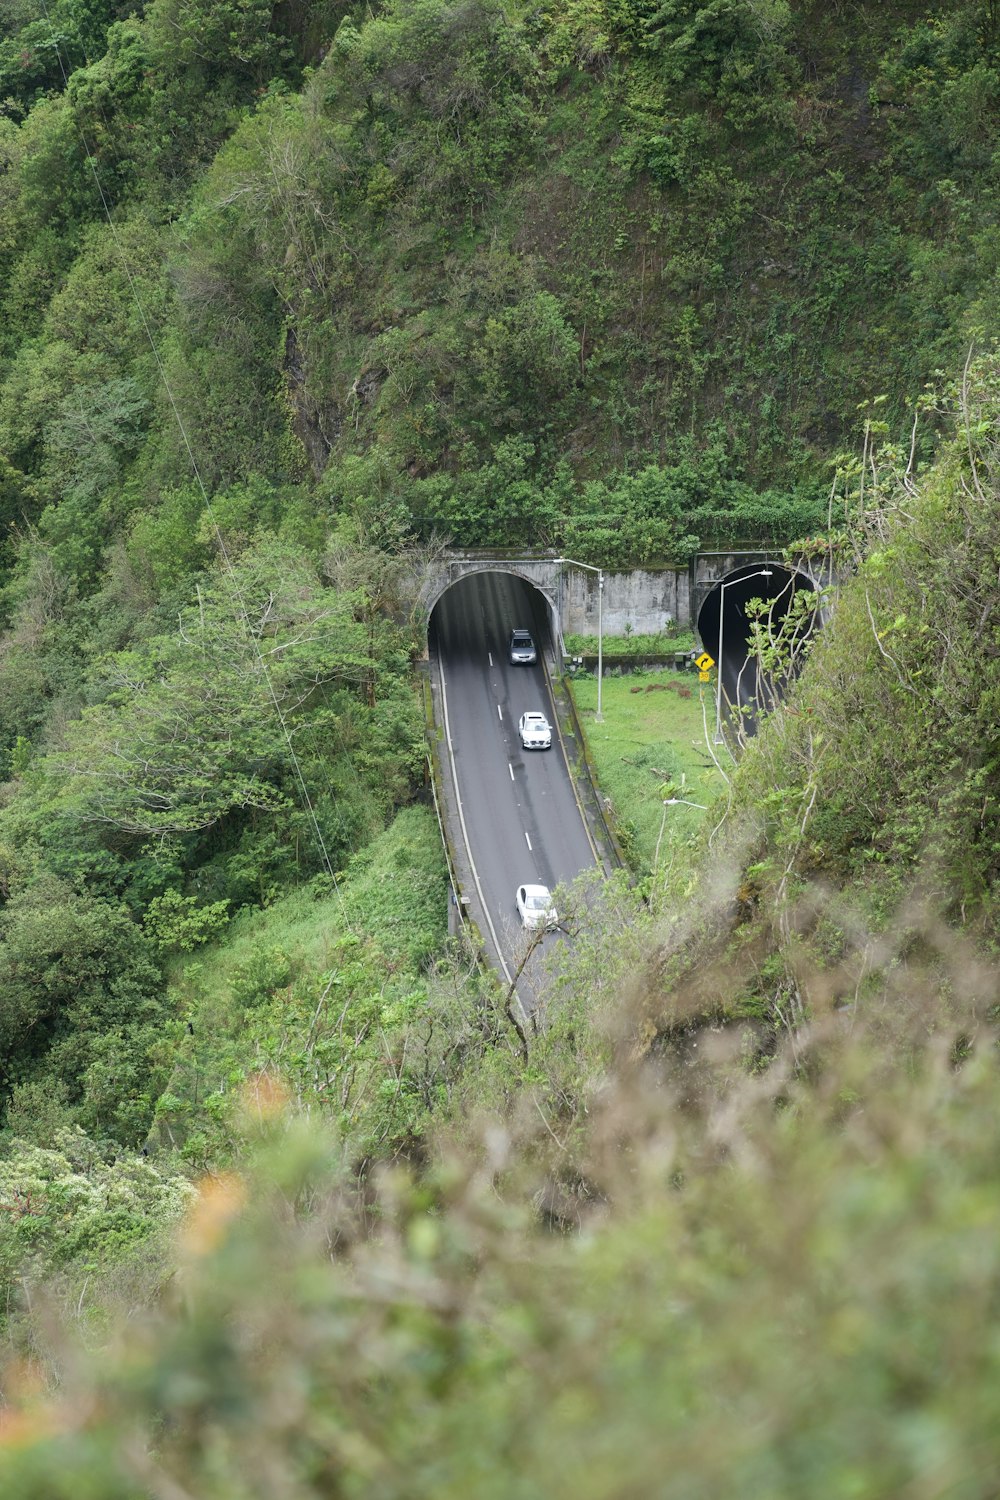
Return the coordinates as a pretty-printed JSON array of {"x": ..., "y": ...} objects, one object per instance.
[
  {"x": 704, "y": 661},
  {"x": 704, "y": 676}
]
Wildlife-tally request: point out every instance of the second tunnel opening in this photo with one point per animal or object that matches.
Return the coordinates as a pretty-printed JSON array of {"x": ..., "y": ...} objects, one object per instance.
[{"x": 725, "y": 624}]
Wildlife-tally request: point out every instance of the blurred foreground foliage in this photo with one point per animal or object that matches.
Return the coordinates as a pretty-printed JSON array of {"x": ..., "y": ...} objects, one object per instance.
[{"x": 781, "y": 1285}]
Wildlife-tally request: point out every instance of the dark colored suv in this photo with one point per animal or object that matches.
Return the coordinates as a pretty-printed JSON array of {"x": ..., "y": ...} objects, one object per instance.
[{"x": 521, "y": 649}]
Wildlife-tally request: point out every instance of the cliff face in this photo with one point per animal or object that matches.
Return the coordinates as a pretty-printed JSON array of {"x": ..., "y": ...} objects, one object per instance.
[{"x": 620, "y": 236}]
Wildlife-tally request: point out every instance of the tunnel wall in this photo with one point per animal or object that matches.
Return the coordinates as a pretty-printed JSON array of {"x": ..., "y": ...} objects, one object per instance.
[
  {"x": 645, "y": 601},
  {"x": 642, "y": 599}
]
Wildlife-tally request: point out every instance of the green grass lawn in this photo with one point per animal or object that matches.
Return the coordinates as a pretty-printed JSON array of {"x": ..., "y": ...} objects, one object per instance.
[{"x": 651, "y": 745}]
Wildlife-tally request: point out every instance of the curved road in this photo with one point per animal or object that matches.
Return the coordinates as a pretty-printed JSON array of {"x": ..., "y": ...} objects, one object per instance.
[{"x": 522, "y": 821}]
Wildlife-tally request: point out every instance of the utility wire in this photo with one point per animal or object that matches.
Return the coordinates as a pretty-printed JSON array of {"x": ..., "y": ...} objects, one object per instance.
[
  {"x": 240, "y": 609},
  {"x": 345, "y": 825}
]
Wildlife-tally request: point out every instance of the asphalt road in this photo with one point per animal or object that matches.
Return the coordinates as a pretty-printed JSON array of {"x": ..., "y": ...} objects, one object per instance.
[{"x": 523, "y": 824}]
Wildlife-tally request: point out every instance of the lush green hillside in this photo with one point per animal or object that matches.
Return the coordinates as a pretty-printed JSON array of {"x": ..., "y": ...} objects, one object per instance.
[
  {"x": 478, "y": 264},
  {"x": 287, "y": 1204}
]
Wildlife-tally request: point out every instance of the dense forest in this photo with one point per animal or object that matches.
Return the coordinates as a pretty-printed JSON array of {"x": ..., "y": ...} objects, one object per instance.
[{"x": 293, "y": 294}]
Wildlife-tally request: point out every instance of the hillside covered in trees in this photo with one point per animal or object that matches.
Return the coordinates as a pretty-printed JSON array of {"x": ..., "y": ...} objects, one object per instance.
[{"x": 291, "y": 294}]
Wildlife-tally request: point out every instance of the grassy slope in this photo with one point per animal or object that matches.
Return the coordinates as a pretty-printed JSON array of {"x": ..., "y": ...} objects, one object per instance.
[
  {"x": 305, "y": 988},
  {"x": 651, "y": 746}
]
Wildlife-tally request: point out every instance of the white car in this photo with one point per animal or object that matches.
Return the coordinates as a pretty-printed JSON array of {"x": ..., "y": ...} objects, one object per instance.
[
  {"x": 534, "y": 906},
  {"x": 535, "y": 731}
]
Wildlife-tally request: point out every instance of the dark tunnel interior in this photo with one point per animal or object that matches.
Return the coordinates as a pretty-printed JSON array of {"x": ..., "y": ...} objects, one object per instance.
[
  {"x": 725, "y": 610},
  {"x": 508, "y": 600}
]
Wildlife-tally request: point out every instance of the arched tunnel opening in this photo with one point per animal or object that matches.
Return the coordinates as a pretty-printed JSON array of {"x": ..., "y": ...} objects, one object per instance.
[
  {"x": 745, "y": 685},
  {"x": 482, "y": 609}
]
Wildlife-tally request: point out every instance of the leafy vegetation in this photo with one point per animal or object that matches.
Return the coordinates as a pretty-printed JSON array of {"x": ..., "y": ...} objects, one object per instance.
[
  {"x": 67, "y": 1210},
  {"x": 876, "y": 778},
  {"x": 636, "y": 644},
  {"x": 382, "y": 234},
  {"x": 345, "y": 997},
  {"x": 290, "y": 293}
]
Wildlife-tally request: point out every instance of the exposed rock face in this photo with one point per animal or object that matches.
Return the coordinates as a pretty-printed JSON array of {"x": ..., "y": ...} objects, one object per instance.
[
  {"x": 317, "y": 425},
  {"x": 367, "y": 385}
]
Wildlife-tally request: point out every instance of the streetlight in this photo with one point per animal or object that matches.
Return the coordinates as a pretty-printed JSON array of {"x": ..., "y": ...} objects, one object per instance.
[
  {"x": 762, "y": 573},
  {"x": 599, "y": 717},
  {"x": 670, "y": 802}
]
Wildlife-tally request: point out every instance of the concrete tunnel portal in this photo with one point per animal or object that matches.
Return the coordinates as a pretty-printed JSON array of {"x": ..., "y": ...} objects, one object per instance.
[
  {"x": 511, "y": 600},
  {"x": 724, "y": 626},
  {"x": 514, "y": 602}
]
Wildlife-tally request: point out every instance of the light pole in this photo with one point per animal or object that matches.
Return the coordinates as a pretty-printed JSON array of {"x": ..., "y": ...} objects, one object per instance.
[
  {"x": 670, "y": 802},
  {"x": 599, "y": 717},
  {"x": 762, "y": 573}
]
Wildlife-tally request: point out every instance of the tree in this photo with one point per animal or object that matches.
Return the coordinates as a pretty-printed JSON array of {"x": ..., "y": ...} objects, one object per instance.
[
  {"x": 70, "y": 1205},
  {"x": 200, "y": 725},
  {"x": 18, "y": 501},
  {"x": 528, "y": 360},
  {"x": 73, "y": 969}
]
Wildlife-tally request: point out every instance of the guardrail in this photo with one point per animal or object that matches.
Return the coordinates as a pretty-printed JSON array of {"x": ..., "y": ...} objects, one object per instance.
[
  {"x": 635, "y": 661},
  {"x": 459, "y": 902},
  {"x": 564, "y": 703}
]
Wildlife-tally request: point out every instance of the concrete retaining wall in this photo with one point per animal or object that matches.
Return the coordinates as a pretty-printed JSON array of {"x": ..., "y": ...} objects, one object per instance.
[{"x": 646, "y": 601}]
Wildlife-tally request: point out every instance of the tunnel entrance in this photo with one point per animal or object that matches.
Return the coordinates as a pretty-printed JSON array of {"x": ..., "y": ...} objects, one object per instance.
[
  {"x": 496, "y": 602},
  {"x": 745, "y": 685}
]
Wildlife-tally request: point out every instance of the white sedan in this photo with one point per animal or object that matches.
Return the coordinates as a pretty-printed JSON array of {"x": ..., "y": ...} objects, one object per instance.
[
  {"x": 534, "y": 906},
  {"x": 535, "y": 731}
]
